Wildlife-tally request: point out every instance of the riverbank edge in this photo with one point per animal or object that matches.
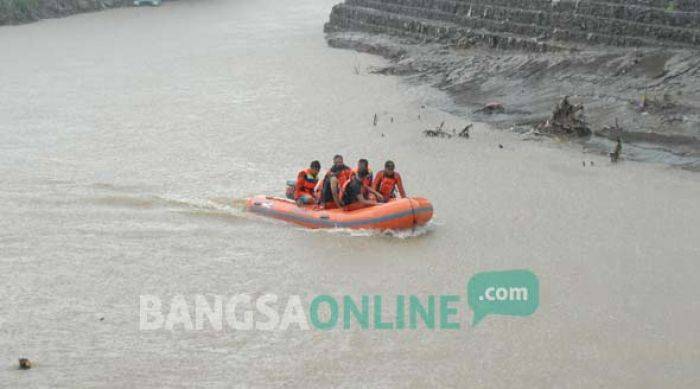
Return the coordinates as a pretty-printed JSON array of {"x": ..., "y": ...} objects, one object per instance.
[{"x": 16, "y": 12}]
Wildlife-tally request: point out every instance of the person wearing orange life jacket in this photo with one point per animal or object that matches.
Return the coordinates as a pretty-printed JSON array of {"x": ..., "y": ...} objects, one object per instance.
[
  {"x": 343, "y": 172},
  {"x": 363, "y": 163},
  {"x": 387, "y": 181},
  {"x": 329, "y": 187},
  {"x": 306, "y": 182},
  {"x": 367, "y": 190},
  {"x": 351, "y": 192}
]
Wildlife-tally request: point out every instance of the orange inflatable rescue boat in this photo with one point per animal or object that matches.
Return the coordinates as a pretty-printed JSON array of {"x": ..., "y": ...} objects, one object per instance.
[{"x": 397, "y": 214}]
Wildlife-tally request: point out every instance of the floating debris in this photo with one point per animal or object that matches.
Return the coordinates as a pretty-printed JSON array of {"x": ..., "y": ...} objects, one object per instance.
[
  {"x": 25, "y": 364},
  {"x": 465, "y": 132},
  {"x": 375, "y": 120},
  {"x": 500, "y": 146}
]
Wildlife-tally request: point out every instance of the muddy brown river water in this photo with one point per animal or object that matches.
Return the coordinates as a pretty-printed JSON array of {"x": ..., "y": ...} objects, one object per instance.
[{"x": 129, "y": 139}]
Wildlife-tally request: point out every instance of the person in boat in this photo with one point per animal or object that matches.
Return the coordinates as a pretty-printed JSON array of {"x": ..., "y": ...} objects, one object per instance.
[
  {"x": 387, "y": 181},
  {"x": 343, "y": 171},
  {"x": 328, "y": 189},
  {"x": 329, "y": 193},
  {"x": 367, "y": 190},
  {"x": 364, "y": 164},
  {"x": 351, "y": 192},
  {"x": 307, "y": 180}
]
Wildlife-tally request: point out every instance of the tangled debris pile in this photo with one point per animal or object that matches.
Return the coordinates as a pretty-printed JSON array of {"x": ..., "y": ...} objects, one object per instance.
[{"x": 567, "y": 119}]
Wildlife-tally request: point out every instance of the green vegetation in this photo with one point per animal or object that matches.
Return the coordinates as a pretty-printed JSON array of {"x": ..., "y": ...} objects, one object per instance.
[{"x": 13, "y": 11}]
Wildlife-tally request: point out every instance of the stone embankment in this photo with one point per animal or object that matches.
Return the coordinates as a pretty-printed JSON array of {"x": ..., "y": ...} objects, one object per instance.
[{"x": 532, "y": 24}]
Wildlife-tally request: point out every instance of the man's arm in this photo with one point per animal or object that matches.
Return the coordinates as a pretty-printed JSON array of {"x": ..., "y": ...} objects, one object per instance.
[
  {"x": 375, "y": 193},
  {"x": 319, "y": 186},
  {"x": 399, "y": 184},
  {"x": 363, "y": 200},
  {"x": 300, "y": 181},
  {"x": 334, "y": 191},
  {"x": 377, "y": 180}
]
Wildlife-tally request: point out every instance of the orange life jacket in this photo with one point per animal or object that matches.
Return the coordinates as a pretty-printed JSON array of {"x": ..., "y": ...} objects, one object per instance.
[
  {"x": 343, "y": 176},
  {"x": 386, "y": 185},
  {"x": 306, "y": 182}
]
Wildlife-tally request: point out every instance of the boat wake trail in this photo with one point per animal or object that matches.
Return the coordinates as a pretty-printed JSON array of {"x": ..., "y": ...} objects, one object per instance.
[
  {"x": 417, "y": 232},
  {"x": 227, "y": 209},
  {"x": 217, "y": 207}
]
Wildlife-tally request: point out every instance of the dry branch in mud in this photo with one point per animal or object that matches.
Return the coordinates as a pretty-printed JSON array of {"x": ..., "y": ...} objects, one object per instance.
[
  {"x": 615, "y": 155},
  {"x": 439, "y": 132}
]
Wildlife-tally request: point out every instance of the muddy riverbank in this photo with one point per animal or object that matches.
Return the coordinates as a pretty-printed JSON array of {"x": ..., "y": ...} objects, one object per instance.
[{"x": 650, "y": 90}]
